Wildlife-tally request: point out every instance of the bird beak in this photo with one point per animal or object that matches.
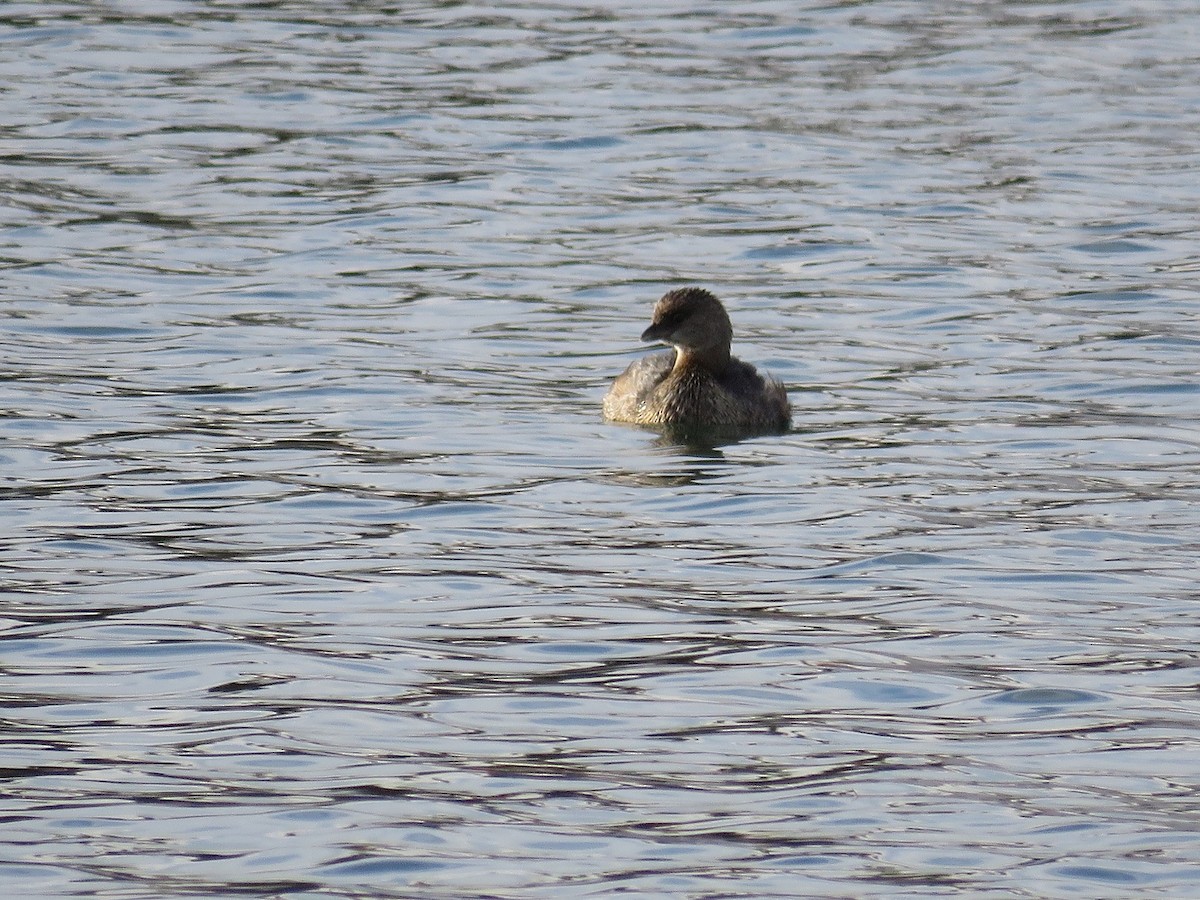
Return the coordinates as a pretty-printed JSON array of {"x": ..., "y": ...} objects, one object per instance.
[{"x": 653, "y": 333}]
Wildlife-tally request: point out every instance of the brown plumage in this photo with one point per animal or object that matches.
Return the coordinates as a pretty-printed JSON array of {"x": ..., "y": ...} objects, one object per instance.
[{"x": 698, "y": 386}]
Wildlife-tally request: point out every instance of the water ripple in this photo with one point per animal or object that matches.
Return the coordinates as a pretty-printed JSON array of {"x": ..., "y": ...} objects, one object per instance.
[{"x": 322, "y": 575}]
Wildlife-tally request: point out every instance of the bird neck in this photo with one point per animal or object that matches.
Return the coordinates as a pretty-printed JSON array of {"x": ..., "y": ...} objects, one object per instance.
[{"x": 714, "y": 359}]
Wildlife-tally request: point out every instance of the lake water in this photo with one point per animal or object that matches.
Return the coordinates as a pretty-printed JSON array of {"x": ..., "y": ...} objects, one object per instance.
[{"x": 322, "y": 576}]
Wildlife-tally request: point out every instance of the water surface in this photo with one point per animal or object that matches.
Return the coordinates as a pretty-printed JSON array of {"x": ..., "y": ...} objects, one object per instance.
[{"x": 323, "y": 577}]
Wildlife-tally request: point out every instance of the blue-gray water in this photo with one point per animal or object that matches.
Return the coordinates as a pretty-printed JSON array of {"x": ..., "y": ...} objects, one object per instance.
[{"x": 322, "y": 576}]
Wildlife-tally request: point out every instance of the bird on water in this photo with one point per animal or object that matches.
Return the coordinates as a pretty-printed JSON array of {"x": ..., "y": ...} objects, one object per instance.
[{"x": 699, "y": 386}]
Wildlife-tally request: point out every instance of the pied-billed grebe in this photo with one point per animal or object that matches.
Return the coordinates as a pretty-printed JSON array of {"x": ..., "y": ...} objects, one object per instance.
[{"x": 699, "y": 386}]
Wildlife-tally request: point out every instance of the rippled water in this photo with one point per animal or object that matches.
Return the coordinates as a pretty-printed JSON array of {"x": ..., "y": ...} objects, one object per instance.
[{"x": 322, "y": 576}]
